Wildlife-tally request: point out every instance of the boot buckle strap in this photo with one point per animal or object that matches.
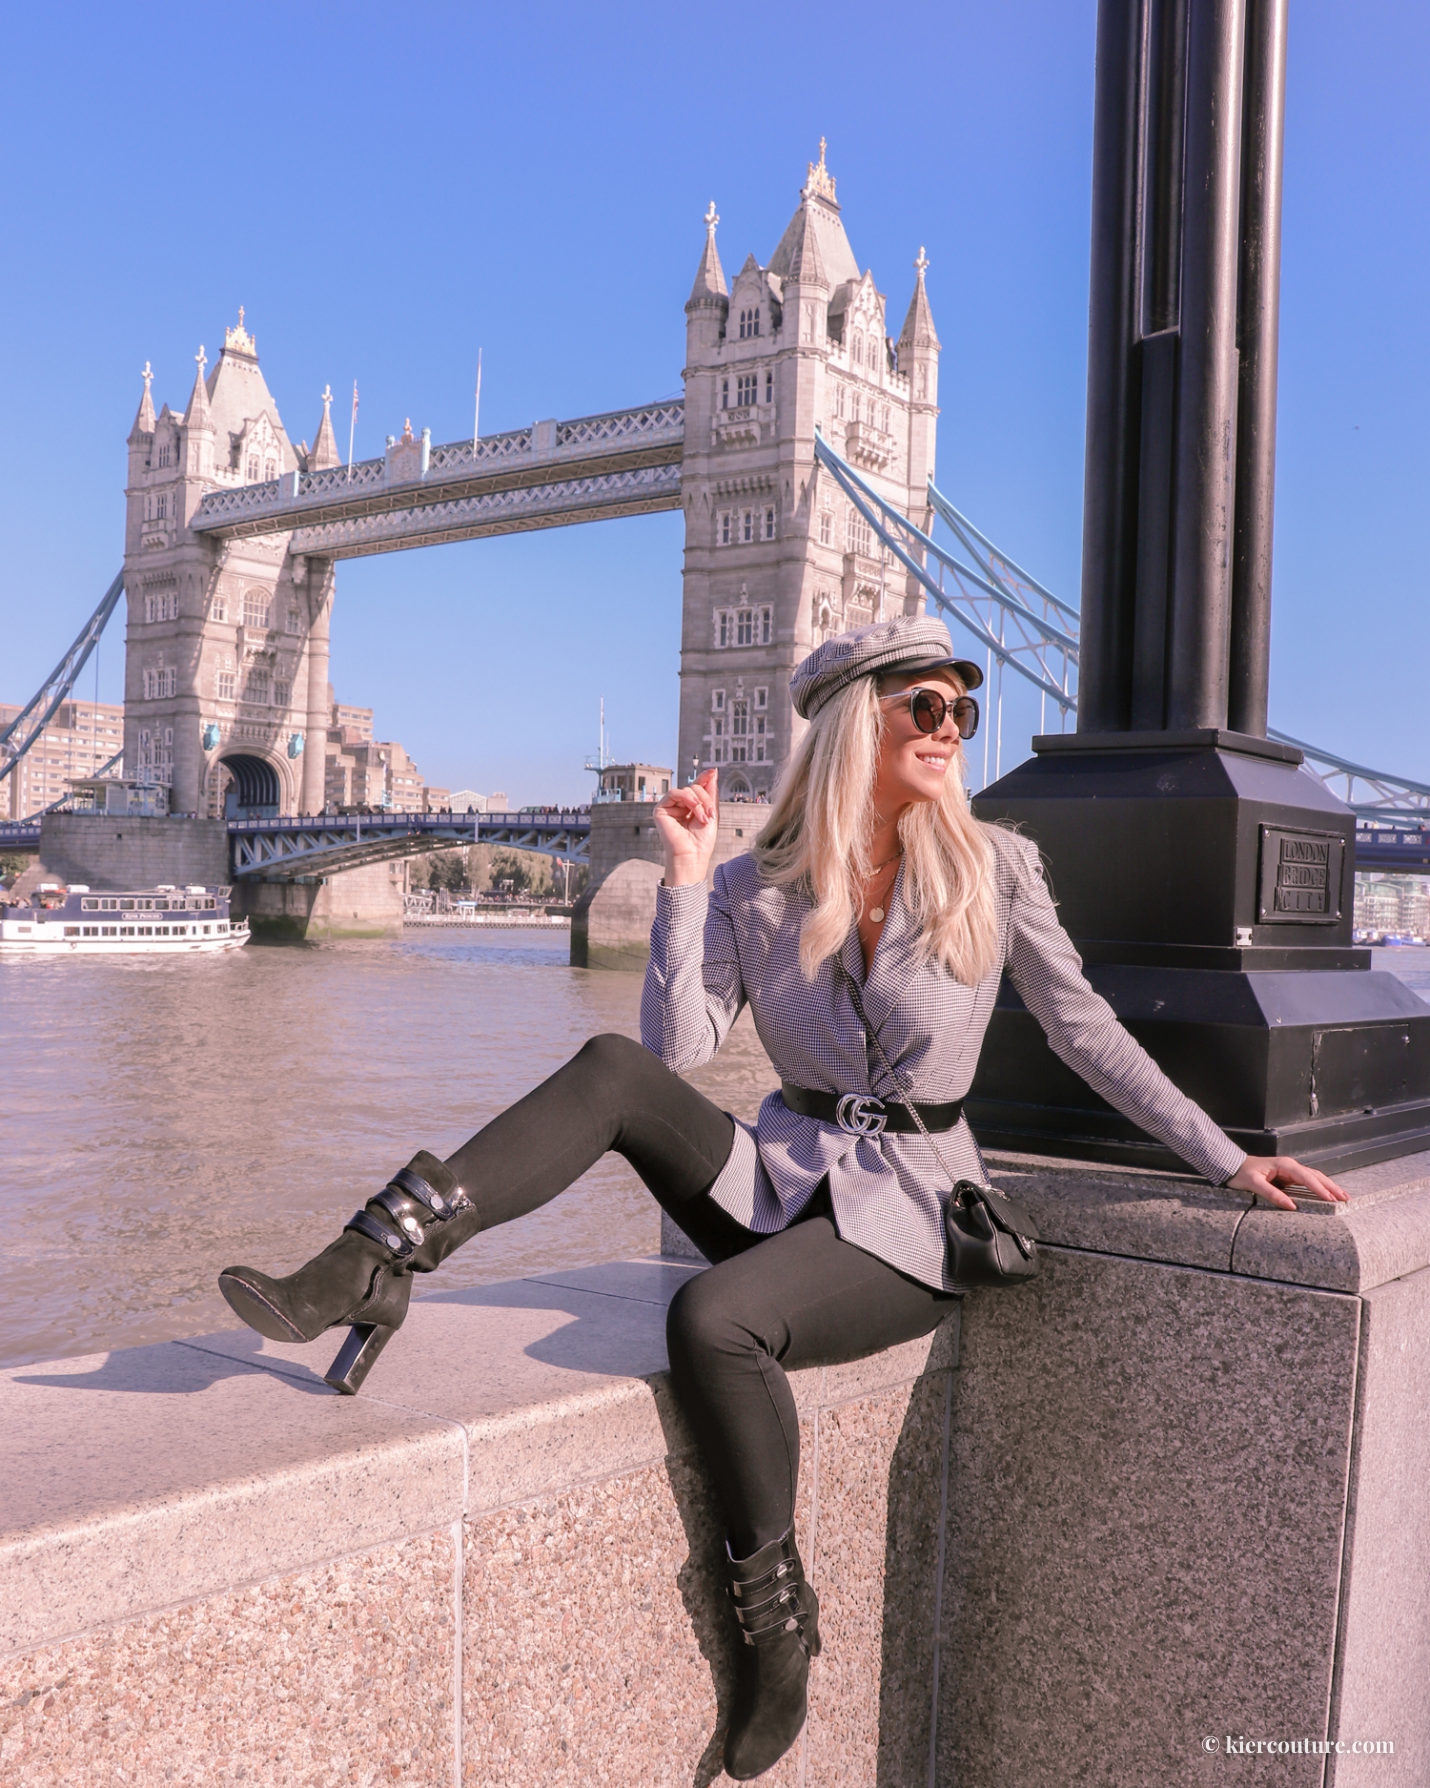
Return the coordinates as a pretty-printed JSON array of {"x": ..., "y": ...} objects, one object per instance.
[
  {"x": 745, "y": 1589},
  {"x": 397, "y": 1244},
  {"x": 400, "y": 1208},
  {"x": 413, "y": 1184}
]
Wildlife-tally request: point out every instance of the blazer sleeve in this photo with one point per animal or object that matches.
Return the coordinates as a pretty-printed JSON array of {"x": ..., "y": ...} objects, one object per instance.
[
  {"x": 1086, "y": 1033},
  {"x": 693, "y": 991}
]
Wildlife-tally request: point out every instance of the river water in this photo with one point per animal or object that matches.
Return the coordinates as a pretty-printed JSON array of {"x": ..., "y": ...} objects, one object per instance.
[{"x": 163, "y": 1118}]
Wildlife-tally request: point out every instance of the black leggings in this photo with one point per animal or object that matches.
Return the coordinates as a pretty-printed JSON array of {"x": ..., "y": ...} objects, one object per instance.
[{"x": 769, "y": 1304}]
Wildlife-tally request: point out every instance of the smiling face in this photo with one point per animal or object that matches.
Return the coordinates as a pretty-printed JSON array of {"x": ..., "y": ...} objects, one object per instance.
[{"x": 913, "y": 766}]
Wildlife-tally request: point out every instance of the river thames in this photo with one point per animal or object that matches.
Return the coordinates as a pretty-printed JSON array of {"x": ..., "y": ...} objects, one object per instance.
[{"x": 168, "y": 1117}]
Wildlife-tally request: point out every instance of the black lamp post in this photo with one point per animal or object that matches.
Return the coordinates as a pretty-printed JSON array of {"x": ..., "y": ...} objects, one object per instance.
[{"x": 1207, "y": 878}]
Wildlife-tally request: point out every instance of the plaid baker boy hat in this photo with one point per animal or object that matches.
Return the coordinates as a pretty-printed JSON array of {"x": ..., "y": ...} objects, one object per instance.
[{"x": 907, "y": 643}]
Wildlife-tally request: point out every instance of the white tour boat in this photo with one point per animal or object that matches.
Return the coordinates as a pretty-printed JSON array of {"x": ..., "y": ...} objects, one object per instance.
[{"x": 60, "y": 921}]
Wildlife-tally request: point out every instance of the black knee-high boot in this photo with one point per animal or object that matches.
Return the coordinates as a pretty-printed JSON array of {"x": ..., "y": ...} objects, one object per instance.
[
  {"x": 365, "y": 1276},
  {"x": 778, "y": 1614}
]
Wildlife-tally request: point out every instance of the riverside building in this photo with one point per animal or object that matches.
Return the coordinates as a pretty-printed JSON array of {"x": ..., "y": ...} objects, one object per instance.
[{"x": 79, "y": 741}]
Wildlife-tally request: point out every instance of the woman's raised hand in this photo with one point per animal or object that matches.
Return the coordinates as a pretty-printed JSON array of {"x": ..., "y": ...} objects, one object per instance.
[
  {"x": 688, "y": 820},
  {"x": 1270, "y": 1175}
]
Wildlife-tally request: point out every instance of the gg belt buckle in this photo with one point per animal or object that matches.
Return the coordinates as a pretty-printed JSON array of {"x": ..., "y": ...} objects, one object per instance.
[{"x": 861, "y": 1114}]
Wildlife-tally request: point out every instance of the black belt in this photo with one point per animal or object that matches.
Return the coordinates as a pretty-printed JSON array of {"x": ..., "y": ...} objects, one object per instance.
[{"x": 861, "y": 1114}]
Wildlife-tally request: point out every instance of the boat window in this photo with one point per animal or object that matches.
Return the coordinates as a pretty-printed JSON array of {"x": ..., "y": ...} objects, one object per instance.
[
  {"x": 89, "y": 906},
  {"x": 24, "y": 928},
  {"x": 126, "y": 931},
  {"x": 71, "y": 930}
]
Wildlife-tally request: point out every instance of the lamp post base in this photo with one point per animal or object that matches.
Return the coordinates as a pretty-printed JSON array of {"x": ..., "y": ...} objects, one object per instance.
[{"x": 1209, "y": 882}]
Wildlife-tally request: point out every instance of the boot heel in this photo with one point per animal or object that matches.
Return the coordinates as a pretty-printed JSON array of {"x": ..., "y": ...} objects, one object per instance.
[{"x": 357, "y": 1356}]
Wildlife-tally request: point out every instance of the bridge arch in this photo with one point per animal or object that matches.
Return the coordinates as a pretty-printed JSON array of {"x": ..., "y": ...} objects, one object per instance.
[{"x": 248, "y": 786}]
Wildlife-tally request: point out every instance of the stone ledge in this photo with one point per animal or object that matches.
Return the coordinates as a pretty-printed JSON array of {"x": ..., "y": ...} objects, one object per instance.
[
  {"x": 1382, "y": 1234},
  {"x": 152, "y": 1477}
]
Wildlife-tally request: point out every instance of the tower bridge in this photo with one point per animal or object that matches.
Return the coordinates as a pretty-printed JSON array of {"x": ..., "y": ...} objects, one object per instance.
[{"x": 801, "y": 453}]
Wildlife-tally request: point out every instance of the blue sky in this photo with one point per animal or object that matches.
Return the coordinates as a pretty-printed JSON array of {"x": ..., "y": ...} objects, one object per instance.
[{"x": 385, "y": 190}]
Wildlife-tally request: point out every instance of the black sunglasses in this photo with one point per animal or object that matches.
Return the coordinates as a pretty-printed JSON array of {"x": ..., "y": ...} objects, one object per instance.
[{"x": 928, "y": 710}]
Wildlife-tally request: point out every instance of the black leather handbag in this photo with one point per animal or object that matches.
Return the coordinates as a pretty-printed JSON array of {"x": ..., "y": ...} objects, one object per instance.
[{"x": 990, "y": 1239}]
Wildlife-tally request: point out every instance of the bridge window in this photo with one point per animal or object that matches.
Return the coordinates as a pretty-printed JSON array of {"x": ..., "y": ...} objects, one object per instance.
[
  {"x": 724, "y": 394},
  {"x": 717, "y": 701},
  {"x": 769, "y": 524},
  {"x": 227, "y": 686},
  {"x": 744, "y": 628},
  {"x": 166, "y": 454},
  {"x": 766, "y": 627},
  {"x": 158, "y": 682},
  {"x": 270, "y": 469},
  {"x": 726, "y": 525},
  {"x": 293, "y": 620},
  {"x": 747, "y": 530},
  {"x": 161, "y": 605},
  {"x": 747, "y": 389},
  {"x": 724, "y": 623},
  {"x": 859, "y": 538},
  {"x": 255, "y": 609},
  {"x": 749, "y": 323},
  {"x": 853, "y": 406},
  {"x": 770, "y": 386},
  {"x": 220, "y": 606},
  {"x": 838, "y": 400},
  {"x": 259, "y": 687},
  {"x": 826, "y": 527},
  {"x": 282, "y": 692}
]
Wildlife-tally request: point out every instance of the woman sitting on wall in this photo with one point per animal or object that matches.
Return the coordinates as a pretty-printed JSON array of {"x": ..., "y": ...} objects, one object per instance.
[{"x": 868, "y": 930}]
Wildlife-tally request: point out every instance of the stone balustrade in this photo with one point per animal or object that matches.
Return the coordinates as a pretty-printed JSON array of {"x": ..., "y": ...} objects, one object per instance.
[{"x": 1170, "y": 1493}]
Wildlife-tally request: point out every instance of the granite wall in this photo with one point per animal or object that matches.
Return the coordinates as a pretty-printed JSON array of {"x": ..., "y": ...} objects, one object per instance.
[{"x": 1157, "y": 1518}]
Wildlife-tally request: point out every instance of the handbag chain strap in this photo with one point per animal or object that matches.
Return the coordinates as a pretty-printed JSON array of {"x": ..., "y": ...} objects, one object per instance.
[{"x": 888, "y": 1067}]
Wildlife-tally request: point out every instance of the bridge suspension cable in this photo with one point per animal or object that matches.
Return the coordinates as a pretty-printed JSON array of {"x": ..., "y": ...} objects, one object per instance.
[
  {"x": 1370, "y": 794},
  {"x": 1023, "y": 626},
  {"x": 22, "y": 732},
  {"x": 1028, "y": 629}
]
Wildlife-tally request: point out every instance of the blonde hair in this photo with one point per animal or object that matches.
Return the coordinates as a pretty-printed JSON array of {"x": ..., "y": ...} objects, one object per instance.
[{"x": 821, "y": 824}]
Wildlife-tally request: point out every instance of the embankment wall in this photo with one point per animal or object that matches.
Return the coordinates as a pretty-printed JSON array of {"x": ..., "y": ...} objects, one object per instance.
[{"x": 1169, "y": 1493}]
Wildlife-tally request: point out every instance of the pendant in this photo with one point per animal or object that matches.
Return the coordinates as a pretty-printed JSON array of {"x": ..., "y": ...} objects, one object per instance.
[{"x": 876, "y": 913}]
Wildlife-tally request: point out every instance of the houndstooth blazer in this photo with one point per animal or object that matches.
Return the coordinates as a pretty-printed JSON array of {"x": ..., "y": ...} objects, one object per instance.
[{"x": 713, "y": 951}]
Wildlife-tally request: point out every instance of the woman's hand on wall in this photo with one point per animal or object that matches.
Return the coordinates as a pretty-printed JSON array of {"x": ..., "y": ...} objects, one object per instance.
[
  {"x": 1267, "y": 1174},
  {"x": 688, "y": 820}
]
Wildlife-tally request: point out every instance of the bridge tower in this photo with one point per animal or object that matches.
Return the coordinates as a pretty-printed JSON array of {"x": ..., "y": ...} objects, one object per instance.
[
  {"x": 226, "y": 649},
  {"x": 776, "y": 559}
]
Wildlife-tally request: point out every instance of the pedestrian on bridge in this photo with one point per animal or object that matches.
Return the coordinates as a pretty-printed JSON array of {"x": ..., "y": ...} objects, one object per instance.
[{"x": 868, "y": 929}]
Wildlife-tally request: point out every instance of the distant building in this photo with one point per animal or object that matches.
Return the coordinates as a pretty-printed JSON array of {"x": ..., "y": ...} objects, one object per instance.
[
  {"x": 357, "y": 721},
  {"x": 81, "y": 737},
  {"x": 633, "y": 782},
  {"x": 368, "y": 772},
  {"x": 1394, "y": 905},
  {"x": 467, "y": 800}
]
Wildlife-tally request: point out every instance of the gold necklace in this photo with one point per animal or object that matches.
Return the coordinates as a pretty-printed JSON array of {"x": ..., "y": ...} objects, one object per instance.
[{"x": 876, "y": 913}]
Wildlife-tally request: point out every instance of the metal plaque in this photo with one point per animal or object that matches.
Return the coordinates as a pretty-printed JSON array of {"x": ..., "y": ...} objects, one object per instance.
[{"x": 1300, "y": 877}]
